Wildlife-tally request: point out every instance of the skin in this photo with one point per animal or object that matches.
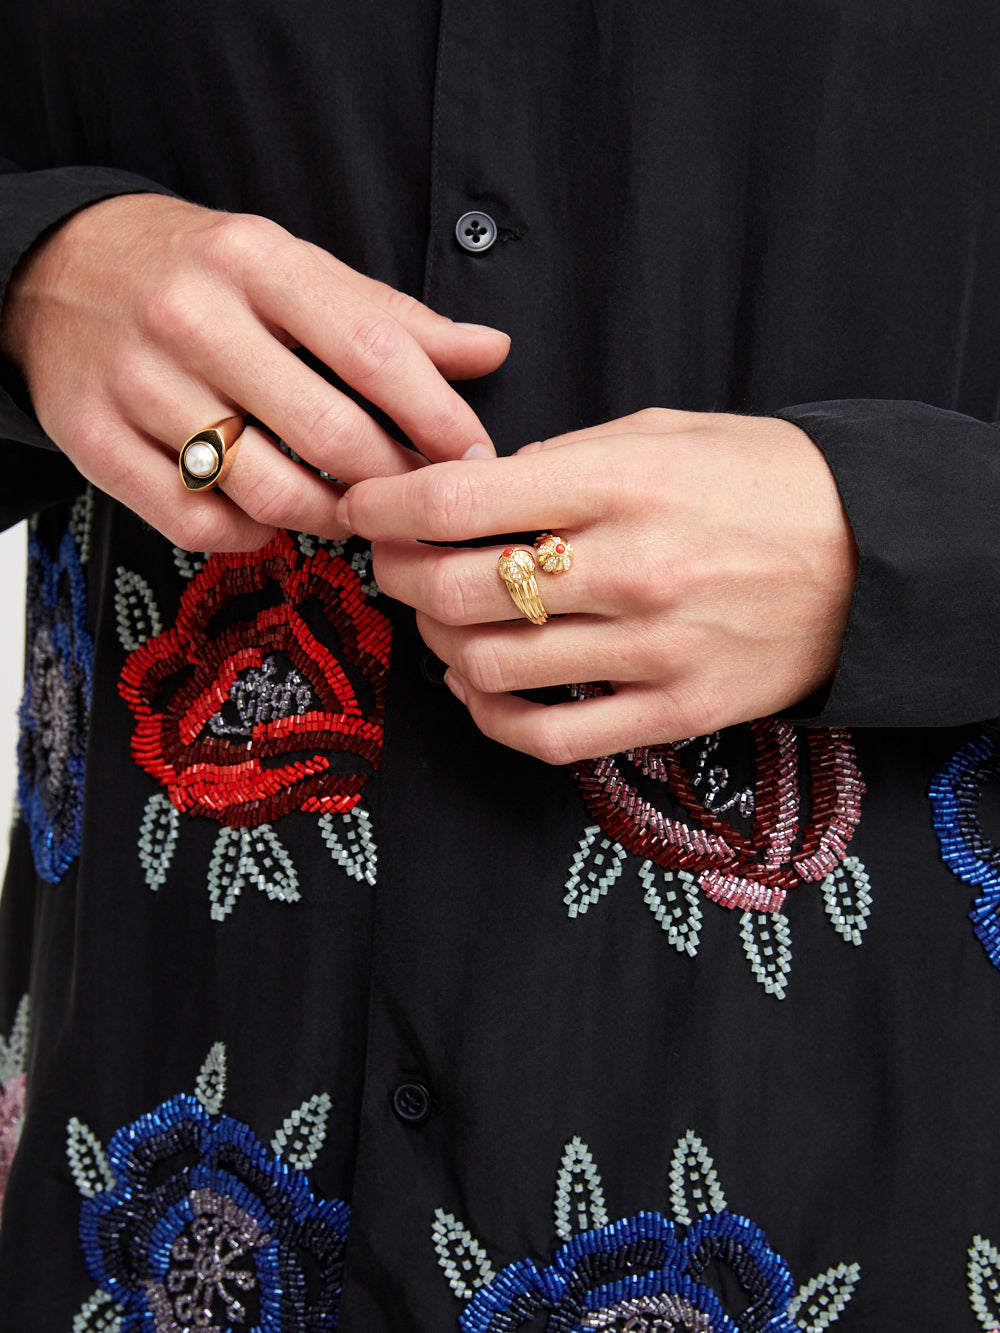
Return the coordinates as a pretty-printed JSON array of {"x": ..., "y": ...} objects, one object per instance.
[
  {"x": 142, "y": 319},
  {"x": 714, "y": 562}
]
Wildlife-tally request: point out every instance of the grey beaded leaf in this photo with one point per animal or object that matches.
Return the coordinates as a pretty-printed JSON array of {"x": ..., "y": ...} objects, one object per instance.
[
  {"x": 822, "y": 1301},
  {"x": 309, "y": 544},
  {"x": 210, "y": 1087},
  {"x": 465, "y": 1263},
  {"x": 847, "y": 899},
  {"x": 14, "y": 1049},
  {"x": 694, "y": 1184},
  {"x": 81, "y": 521},
  {"x": 350, "y": 840},
  {"x": 984, "y": 1282},
  {"x": 225, "y": 874},
  {"x": 100, "y": 1314},
  {"x": 87, "y": 1160},
  {"x": 579, "y": 1192},
  {"x": 157, "y": 839},
  {"x": 136, "y": 613},
  {"x": 189, "y": 563},
  {"x": 266, "y": 865},
  {"x": 767, "y": 943},
  {"x": 300, "y": 1139},
  {"x": 678, "y": 908},
  {"x": 596, "y": 864}
]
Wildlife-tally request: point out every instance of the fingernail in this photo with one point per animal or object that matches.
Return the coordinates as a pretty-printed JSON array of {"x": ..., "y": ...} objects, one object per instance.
[
  {"x": 480, "y": 328},
  {"x": 479, "y": 451},
  {"x": 456, "y": 684},
  {"x": 342, "y": 518}
]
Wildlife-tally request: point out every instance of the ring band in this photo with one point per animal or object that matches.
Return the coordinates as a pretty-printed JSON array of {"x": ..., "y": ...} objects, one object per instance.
[
  {"x": 555, "y": 555},
  {"x": 208, "y": 455},
  {"x": 516, "y": 567}
]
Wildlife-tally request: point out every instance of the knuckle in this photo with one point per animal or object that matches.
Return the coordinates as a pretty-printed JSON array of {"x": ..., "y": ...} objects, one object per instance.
[
  {"x": 174, "y": 312},
  {"x": 550, "y": 745},
  {"x": 447, "y": 417},
  {"x": 332, "y": 422},
  {"x": 374, "y": 342},
  {"x": 482, "y": 664},
  {"x": 264, "y": 499},
  {"x": 91, "y": 436},
  {"x": 449, "y": 594},
  {"x": 194, "y": 529},
  {"x": 400, "y": 305},
  {"x": 449, "y": 500},
  {"x": 239, "y": 241}
]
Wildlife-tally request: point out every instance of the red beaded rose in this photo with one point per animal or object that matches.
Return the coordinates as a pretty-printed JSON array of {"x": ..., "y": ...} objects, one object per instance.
[
  {"x": 274, "y": 670},
  {"x": 801, "y": 822}
]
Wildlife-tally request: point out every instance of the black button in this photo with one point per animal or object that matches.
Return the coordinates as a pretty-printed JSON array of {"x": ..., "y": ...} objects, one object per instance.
[
  {"x": 475, "y": 232},
  {"x": 432, "y": 669},
  {"x": 412, "y": 1102}
]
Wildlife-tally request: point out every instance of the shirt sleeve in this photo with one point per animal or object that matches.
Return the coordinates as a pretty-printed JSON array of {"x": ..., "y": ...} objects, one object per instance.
[
  {"x": 921, "y": 488},
  {"x": 32, "y": 202}
]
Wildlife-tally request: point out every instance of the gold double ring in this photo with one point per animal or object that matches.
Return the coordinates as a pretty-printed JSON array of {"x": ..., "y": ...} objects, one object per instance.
[
  {"x": 208, "y": 455},
  {"x": 516, "y": 567}
]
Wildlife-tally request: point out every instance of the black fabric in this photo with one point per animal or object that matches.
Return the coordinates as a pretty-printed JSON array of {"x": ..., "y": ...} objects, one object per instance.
[{"x": 718, "y": 207}]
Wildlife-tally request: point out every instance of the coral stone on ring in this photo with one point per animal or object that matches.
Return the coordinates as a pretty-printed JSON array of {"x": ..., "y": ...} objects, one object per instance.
[{"x": 555, "y": 555}]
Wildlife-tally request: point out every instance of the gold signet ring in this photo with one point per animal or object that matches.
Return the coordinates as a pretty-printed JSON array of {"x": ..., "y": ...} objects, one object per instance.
[{"x": 208, "y": 455}]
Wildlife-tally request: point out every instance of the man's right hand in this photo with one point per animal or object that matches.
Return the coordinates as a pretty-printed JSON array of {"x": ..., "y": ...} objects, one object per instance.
[{"x": 143, "y": 319}]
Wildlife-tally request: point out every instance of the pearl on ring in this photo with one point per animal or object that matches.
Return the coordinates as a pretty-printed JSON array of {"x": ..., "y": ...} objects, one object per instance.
[
  {"x": 201, "y": 460},
  {"x": 207, "y": 456}
]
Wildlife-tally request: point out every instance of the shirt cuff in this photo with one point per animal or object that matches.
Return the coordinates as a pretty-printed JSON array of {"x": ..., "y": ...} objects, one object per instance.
[
  {"x": 921, "y": 489},
  {"x": 32, "y": 202}
]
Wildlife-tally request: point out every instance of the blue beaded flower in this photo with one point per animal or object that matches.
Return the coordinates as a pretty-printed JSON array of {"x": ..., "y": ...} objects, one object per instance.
[
  {"x": 55, "y": 709},
  {"x": 200, "y": 1226},
  {"x": 640, "y": 1269},
  {"x": 705, "y": 1269},
  {"x": 956, "y": 793}
]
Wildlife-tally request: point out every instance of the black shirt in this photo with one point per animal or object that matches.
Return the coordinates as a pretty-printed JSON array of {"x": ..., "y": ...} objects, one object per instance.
[{"x": 503, "y": 1013}]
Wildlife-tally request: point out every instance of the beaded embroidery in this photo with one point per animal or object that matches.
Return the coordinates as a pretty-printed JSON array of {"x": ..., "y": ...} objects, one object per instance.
[
  {"x": 984, "y": 1283},
  {"x": 188, "y": 1221},
  {"x": 956, "y": 795},
  {"x": 13, "y": 1075},
  {"x": 209, "y": 712},
  {"x": 645, "y": 1273},
  {"x": 266, "y": 697},
  {"x": 55, "y": 709},
  {"x": 741, "y": 844}
]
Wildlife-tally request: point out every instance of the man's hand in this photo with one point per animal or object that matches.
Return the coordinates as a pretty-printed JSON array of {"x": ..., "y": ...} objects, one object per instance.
[
  {"x": 143, "y": 319},
  {"x": 713, "y": 573}
]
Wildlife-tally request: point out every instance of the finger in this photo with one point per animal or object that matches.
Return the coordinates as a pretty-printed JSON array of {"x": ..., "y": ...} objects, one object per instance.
[
  {"x": 374, "y": 353},
  {"x": 279, "y": 492},
  {"x": 496, "y": 659},
  {"x": 459, "y": 351},
  {"x": 271, "y": 488},
  {"x": 144, "y": 476},
  {"x": 464, "y": 587},
  {"x": 655, "y": 420},
  {"x": 479, "y": 498},
  {"x": 565, "y": 733},
  {"x": 239, "y": 360}
]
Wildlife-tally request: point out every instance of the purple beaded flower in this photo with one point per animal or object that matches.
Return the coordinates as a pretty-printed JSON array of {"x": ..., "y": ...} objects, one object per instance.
[{"x": 189, "y": 1222}]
